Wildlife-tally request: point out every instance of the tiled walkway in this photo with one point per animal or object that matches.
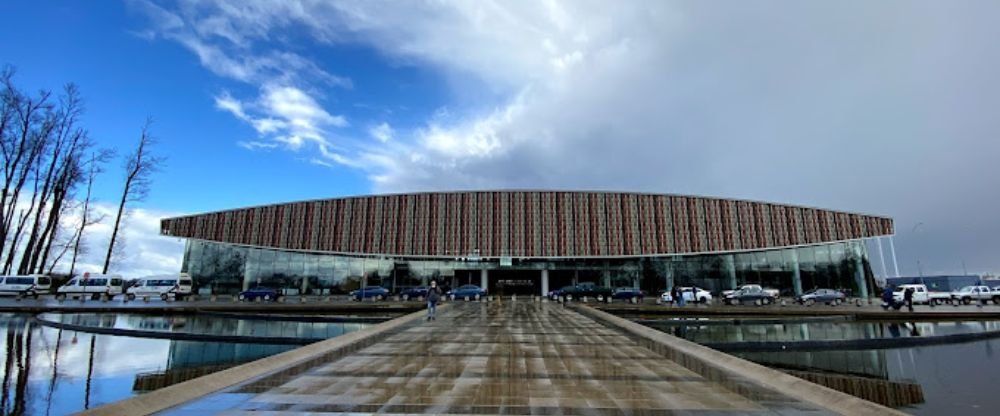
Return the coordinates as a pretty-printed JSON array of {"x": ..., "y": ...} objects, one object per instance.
[{"x": 497, "y": 358}]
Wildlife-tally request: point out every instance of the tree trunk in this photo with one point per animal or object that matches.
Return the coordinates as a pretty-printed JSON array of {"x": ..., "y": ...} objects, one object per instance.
[
  {"x": 114, "y": 231},
  {"x": 84, "y": 215}
]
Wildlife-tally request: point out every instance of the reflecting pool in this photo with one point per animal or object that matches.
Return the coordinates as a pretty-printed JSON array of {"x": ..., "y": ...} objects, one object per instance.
[
  {"x": 957, "y": 378},
  {"x": 50, "y": 371},
  {"x": 208, "y": 325},
  {"x": 722, "y": 331}
]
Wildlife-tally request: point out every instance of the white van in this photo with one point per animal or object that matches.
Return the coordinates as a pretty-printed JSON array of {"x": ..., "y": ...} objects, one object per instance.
[
  {"x": 95, "y": 285},
  {"x": 26, "y": 285},
  {"x": 161, "y": 286}
]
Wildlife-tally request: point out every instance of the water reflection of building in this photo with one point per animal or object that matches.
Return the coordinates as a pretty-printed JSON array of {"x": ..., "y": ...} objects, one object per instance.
[{"x": 194, "y": 353}]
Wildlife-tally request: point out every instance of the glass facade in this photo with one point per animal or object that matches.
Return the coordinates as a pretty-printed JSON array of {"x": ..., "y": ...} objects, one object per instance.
[{"x": 224, "y": 269}]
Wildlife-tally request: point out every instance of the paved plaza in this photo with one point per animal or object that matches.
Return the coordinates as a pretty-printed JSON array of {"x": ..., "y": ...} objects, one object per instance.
[{"x": 496, "y": 358}]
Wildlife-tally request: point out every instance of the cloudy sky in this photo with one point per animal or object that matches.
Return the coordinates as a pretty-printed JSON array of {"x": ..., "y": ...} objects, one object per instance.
[{"x": 884, "y": 107}]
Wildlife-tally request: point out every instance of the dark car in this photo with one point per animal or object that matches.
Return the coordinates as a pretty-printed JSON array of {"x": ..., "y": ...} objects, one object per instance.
[
  {"x": 265, "y": 293},
  {"x": 555, "y": 294},
  {"x": 749, "y": 295},
  {"x": 821, "y": 295},
  {"x": 470, "y": 291},
  {"x": 587, "y": 289},
  {"x": 414, "y": 293},
  {"x": 377, "y": 292},
  {"x": 628, "y": 293}
]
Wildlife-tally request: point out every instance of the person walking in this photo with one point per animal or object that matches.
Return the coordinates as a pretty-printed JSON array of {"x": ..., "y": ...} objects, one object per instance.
[
  {"x": 908, "y": 298},
  {"x": 433, "y": 297}
]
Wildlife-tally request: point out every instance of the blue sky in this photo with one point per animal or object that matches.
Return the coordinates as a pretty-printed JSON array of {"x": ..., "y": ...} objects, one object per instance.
[
  {"x": 885, "y": 108},
  {"x": 126, "y": 77}
]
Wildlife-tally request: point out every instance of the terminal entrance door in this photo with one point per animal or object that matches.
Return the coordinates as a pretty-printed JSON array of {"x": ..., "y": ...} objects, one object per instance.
[{"x": 515, "y": 282}]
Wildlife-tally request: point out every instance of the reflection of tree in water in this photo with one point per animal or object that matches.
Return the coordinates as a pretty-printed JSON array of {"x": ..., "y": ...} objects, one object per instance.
[
  {"x": 55, "y": 373},
  {"x": 19, "y": 354}
]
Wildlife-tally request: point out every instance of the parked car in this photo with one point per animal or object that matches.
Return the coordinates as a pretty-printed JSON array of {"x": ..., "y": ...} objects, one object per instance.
[
  {"x": 969, "y": 294},
  {"x": 695, "y": 294},
  {"x": 588, "y": 289},
  {"x": 628, "y": 293},
  {"x": 265, "y": 293},
  {"x": 822, "y": 295},
  {"x": 555, "y": 294},
  {"x": 93, "y": 285},
  {"x": 414, "y": 293},
  {"x": 775, "y": 293},
  {"x": 748, "y": 295},
  {"x": 376, "y": 292},
  {"x": 26, "y": 285},
  {"x": 164, "y": 287},
  {"x": 466, "y": 291}
]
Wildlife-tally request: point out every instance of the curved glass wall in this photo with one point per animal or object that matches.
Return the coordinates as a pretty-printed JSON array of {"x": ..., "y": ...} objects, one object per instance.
[{"x": 221, "y": 268}]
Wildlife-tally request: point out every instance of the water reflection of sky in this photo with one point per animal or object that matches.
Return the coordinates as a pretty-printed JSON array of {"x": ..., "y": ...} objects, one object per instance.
[
  {"x": 210, "y": 325},
  {"x": 48, "y": 371}
]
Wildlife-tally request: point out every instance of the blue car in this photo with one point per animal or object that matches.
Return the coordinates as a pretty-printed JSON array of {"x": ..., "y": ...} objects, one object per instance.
[
  {"x": 466, "y": 290},
  {"x": 414, "y": 293},
  {"x": 377, "y": 292},
  {"x": 265, "y": 293},
  {"x": 628, "y": 293},
  {"x": 555, "y": 294}
]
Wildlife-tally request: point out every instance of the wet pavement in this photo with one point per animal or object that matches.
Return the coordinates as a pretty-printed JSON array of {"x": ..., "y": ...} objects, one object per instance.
[{"x": 495, "y": 358}]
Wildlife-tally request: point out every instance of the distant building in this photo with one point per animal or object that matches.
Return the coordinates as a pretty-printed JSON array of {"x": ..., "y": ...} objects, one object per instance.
[{"x": 528, "y": 242}]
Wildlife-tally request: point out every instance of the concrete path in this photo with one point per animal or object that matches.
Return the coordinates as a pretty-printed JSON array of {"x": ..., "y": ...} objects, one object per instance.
[{"x": 497, "y": 358}]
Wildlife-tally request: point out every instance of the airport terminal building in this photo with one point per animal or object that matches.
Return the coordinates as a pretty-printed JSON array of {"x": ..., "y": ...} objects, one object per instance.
[{"x": 528, "y": 242}]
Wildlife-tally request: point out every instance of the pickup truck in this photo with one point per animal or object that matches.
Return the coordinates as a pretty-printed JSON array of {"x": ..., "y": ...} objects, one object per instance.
[
  {"x": 588, "y": 289},
  {"x": 921, "y": 294},
  {"x": 969, "y": 294}
]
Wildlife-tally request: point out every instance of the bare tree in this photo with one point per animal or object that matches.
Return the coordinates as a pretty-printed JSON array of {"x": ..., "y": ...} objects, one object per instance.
[
  {"x": 43, "y": 152},
  {"x": 25, "y": 126},
  {"x": 96, "y": 160},
  {"x": 139, "y": 168},
  {"x": 60, "y": 172}
]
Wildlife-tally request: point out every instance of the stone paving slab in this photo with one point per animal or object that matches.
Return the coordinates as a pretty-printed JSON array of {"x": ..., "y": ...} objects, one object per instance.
[{"x": 497, "y": 358}]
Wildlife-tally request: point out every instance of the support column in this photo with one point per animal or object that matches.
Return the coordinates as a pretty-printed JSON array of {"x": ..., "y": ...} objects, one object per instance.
[
  {"x": 545, "y": 282},
  {"x": 484, "y": 278},
  {"x": 892, "y": 249},
  {"x": 796, "y": 274},
  {"x": 606, "y": 277},
  {"x": 670, "y": 274},
  {"x": 729, "y": 263},
  {"x": 859, "y": 270},
  {"x": 881, "y": 257}
]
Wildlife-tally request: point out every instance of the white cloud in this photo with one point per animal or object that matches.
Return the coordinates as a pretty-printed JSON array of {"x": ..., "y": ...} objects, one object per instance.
[
  {"x": 284, "y": 111},
  {"x": 145, "y": 251},
  {"x": 880, "y": 107},
  {"x": 285, "y": 114},
  {"x": 255, "y": 145},
  {"x": 382, "y": 132}
]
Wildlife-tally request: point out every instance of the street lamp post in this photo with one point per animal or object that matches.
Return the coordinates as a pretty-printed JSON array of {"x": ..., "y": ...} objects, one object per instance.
[{"x": 920, "y": 269}]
